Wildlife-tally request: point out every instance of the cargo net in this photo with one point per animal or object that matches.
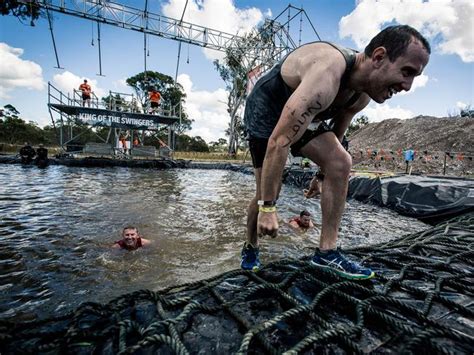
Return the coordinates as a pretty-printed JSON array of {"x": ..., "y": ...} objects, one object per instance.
[{"x": 420, "y": 301}]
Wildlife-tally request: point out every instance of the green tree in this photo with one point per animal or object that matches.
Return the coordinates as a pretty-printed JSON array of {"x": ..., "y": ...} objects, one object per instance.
[
  {"x": 116, "y": 103},
  {"x": 172, "y": 94},
  {"x": 13, "y": 129},
  {"x": 218, "y": 146},
  {"x": 186, "y": 143},
  {"x": 29, "y": 11},
  {"x": 356, "y": 124},
  {"x": 240, "y": 59}
]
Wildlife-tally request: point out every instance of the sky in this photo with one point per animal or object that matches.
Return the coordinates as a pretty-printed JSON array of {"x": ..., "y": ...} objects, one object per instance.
[{"x": 28, "y": 62}]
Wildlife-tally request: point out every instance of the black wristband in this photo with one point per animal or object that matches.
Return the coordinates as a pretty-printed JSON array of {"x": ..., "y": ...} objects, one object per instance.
[{"x": 270, "y": 203}]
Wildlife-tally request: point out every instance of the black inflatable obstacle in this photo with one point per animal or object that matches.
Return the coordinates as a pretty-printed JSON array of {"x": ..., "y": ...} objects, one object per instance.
[{"x": 430, "y": 199}]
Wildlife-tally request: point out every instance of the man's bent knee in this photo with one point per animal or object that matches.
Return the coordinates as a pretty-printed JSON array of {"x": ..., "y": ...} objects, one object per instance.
[{"x": 340, "y": 166}]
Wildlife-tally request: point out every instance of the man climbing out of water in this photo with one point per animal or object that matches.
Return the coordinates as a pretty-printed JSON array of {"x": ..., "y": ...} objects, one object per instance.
[
  {"x": 27, "y": 153},
  {"x": 316, "y": 82},
  {"x": 302, "y": 222},
  {"x": 131, "y": 239}
]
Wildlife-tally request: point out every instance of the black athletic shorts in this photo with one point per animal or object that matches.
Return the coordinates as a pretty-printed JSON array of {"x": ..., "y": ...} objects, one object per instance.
[
  {"x": 258, "y": 146},
  {"x": 154, "y": 104},
  {"x": 86, "y": 97}
]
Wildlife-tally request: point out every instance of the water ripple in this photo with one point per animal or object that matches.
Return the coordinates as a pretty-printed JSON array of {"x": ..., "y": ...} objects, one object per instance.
[{"x": 57, "y": 226}]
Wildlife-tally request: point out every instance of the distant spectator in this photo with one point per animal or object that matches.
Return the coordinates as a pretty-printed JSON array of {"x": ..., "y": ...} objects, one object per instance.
[
  {"x": 123, "y": 141},
  {"x": 41, "y": 156},
  {"x": 155, "y": 98},
  {"x": 303, "y": 222},
  {"x": 131, "y": 239},
  {"x": 134, "y": 106},
  {"x": 86, "y": 93},
  {"x": 409, "y": 156},
  {"x": 136, "y": 142},
  {"x": 27, "y": 153}
]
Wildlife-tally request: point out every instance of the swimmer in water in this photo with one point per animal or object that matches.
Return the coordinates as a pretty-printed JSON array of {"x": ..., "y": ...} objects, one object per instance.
[
  {"x": 131, "y": 239},
  {"x": 303, "y": 222}
]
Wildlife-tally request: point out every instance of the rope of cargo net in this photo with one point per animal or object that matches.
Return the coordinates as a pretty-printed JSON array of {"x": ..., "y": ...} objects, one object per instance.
[{"x": 421, "y": 300}]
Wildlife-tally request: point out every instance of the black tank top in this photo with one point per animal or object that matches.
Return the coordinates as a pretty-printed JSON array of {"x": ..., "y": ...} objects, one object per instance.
[{"x": 270, "y": 94}]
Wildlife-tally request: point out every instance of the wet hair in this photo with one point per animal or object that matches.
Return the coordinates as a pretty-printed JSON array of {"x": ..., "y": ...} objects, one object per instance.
[
  {"x": 130, "y": 227},
  {"x": 396, "y": 40},
  {"x": 85, "y": 80},
  {"x": 305, "y": 213}
]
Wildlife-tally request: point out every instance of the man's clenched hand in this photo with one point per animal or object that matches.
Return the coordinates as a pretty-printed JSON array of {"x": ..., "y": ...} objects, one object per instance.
[{"x": 267, "y": 224}]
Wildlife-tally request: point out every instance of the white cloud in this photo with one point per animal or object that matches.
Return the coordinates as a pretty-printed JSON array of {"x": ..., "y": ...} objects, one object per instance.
[
  {"x": 219, "y": 15},
  {"x": 461, "y": 105},
  {"x": 121, "y": 84},
  {"x": 419, "y": 82},
  {"x": 447, "y": 23},
  {"x": 377, "y": 113},
  {"x": 207, "y": 109},
  {"x": 68, "y": 81},
  {"x": 18, "y": 73}
]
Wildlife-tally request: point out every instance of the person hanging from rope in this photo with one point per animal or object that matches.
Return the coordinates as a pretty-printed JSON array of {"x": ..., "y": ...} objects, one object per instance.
[
  {"x": 287, "y": 109},
  {"x": 131, "y": 239},
  {"x": 86, "y": 93},
  {"x": 302, "y": 222},
  {"x": 155, "y": 98}
]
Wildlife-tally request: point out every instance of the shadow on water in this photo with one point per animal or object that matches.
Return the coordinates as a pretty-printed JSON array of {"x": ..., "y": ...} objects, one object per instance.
[{"x": 57, "y": 226}]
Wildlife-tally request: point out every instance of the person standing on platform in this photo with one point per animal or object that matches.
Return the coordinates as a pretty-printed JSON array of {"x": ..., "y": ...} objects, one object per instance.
[
  {"x": 155, "y": 99},
  {"x": 123, "y": 141},
  {"x": 136, "y": 142},
  {"x": 86, "y": 93}
]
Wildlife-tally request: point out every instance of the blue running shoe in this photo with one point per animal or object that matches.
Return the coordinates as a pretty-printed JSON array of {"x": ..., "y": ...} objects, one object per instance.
[
  {"x": 250, "y": 258},
  {"x": 344, "y": 267}
]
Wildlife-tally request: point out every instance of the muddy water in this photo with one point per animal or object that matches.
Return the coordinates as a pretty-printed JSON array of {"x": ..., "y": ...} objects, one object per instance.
[{"x": 57, "y": 226}]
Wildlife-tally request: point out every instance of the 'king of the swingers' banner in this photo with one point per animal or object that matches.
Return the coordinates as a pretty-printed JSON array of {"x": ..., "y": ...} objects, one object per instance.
[{"x": 106, "y": 118}]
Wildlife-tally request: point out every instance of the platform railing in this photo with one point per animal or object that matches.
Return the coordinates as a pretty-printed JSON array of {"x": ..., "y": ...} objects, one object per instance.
[{"x": 56, "y": 96}]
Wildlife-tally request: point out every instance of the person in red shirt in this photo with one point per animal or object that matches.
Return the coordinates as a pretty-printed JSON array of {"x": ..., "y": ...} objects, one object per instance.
[
  {"x": 131, "y": 239},
  {"x": 155, "y": 98},
  {"x": 86, "y": 93},
  {"x": 303, "y": 222}
]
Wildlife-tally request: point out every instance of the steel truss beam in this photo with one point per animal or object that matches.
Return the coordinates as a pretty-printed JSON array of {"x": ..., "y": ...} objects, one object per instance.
[{"x": 115, "y": 14}]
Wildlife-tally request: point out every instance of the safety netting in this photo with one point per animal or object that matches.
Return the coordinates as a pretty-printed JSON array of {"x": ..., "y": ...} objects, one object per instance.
[{"x": 421, "y": 301}]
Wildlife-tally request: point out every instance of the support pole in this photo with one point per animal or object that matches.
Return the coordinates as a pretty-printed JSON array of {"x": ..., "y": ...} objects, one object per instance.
[
  {"x": 52, "y": 37},
  {"x": 145, "y": 18},
  {"x": 444, "y": 163},
  {"x": 100, "y": 53}
]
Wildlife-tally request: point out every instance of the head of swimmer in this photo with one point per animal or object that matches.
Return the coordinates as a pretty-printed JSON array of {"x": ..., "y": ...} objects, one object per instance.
[
  {"x": 305, "y": 219},
  {"x": 130, "y": 236}
]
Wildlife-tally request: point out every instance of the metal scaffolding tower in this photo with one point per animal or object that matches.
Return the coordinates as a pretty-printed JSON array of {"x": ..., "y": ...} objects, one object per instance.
[{"x": 261, "y": 48}]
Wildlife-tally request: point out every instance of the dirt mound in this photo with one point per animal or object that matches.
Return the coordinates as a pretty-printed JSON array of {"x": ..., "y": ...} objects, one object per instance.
[{"x": 380, "y": 145}]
